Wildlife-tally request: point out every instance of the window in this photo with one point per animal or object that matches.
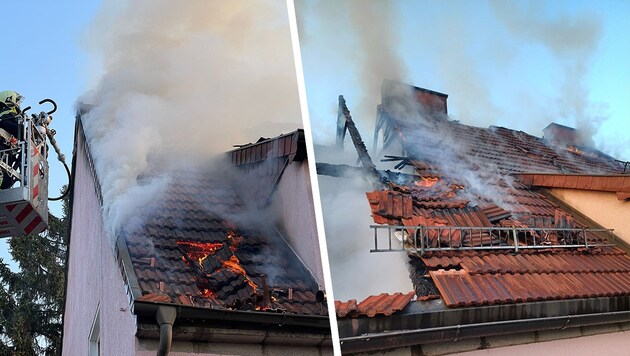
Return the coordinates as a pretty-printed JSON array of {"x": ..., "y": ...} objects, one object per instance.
[{"x": 95, "y": 334}]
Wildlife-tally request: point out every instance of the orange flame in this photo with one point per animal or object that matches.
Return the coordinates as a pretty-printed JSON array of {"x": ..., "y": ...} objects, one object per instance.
[
  {"x": 427, "y": 182},
  {"x": 199, "y": 251},
  {"x": 234, "y": 265},
  {"x": 206, "y": 293},
  {"x": 575, "y": 150},
  {"x": 454, "y": 189}
]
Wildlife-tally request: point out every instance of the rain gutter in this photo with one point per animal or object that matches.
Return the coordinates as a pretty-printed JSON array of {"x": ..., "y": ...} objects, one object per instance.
[
  {"x": 319, "y": 324},
  {"x": 406, "y": 338}
]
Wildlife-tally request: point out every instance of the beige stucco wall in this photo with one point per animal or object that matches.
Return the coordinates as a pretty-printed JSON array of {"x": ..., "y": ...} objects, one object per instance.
[
  {"x": 595, "y": 345},
  {"x": 94, "y": 278},
  {"x": 602, "y": 207}
]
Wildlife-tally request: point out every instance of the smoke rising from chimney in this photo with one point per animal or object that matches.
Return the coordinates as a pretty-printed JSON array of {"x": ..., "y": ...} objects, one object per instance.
[{"x": 182, "y": 82}]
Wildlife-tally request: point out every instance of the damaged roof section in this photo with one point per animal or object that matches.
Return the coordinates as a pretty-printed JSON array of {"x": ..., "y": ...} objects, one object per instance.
[
  {"x": 266, "y": 159},
  {"x": 476, "y": 229},
  {"x": 382, "y": 304},
  {"x": 203, "y": 245}
]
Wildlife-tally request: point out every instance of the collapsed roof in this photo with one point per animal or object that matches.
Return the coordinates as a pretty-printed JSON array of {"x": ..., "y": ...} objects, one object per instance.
[
  {"x": 203, "y": 245},
  {"x": 476, "y": 231}
]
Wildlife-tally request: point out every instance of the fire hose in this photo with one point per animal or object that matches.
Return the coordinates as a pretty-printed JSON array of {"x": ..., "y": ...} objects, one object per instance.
[{"x": 62, "y": 158}]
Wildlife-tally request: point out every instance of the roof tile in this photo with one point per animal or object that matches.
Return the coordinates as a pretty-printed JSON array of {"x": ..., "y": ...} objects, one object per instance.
[
  {"x": 191, "y": 252},
  {"x": 346, "y": 308},
  {"x": 477, "y": 278},
  {"x": 382, "y": 304}
]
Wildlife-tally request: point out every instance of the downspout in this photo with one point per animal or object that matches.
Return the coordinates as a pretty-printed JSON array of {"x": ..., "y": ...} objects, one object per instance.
[{"x": 165, "y": 316}]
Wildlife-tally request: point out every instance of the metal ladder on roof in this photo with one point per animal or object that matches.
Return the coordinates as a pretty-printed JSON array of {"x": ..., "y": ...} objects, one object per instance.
[{"x": 423, "y": 239}]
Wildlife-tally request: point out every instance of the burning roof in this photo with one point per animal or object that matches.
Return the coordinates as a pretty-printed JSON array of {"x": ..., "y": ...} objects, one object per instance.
[
  {"x": 204, "y": 246},
  {"x": 465, "y": 213}
]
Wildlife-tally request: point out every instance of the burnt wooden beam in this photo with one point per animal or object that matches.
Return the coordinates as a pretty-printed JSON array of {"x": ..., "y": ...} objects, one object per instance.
[{"x": 344, "y": 119}]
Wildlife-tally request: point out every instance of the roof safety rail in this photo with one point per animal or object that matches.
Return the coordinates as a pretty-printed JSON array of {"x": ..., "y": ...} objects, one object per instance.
[
  {"x": 625, "y": 165},
  {"x": 422, "y": 239}
]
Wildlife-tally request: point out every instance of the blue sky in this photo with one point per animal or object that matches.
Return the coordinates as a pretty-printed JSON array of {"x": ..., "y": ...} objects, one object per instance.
[
  {"x": 43, "y": 57},
  {"x": 515, "y": 64}
]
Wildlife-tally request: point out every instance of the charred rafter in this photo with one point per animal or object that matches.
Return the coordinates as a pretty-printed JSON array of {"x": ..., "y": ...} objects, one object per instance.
[{"x": 344, "y": 122}]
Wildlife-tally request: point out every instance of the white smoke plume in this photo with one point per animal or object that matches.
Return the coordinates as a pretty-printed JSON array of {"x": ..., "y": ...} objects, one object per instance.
[
  {"x": 182, "y": 81},
  {"x": 364, "y": 31},
  {"x": 356, "y": 272}
]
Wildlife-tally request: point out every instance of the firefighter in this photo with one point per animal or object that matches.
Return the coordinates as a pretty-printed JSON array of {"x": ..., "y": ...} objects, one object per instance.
[{"x": 10, "y": 134}]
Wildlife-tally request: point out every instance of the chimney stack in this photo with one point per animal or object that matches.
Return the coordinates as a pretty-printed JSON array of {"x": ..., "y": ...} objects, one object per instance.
[
  {"x": 431, "y": 102},
  {"x": 561, "y": 135}
]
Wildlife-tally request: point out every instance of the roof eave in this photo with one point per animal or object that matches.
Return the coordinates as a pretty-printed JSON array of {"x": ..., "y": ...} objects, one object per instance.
[
  {"x": 245, "y": 319},
  {"x": 406, "y": 338}
]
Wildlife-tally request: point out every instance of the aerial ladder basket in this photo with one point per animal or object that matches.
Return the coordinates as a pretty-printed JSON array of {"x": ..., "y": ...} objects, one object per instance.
[{"x": 24, "y": 206}]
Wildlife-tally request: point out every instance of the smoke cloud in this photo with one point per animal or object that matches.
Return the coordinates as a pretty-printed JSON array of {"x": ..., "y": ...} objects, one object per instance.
[
  {"x": 572, "y": 40},
  {"x": 182, "y": 82},
  {"x": 521, "y": 66},
  {"x": 357, "y": 273},
  {"x": 365, "y": 32}
]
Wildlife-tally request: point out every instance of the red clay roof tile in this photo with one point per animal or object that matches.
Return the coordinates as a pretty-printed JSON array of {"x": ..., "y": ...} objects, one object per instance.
[
  {"x": 196, "y": 249},
  {"x": 346, "y": 308},
  {"x": 459, "y": 288},
  {"x": 385, "y": 304},
  {"x": 155, "y": 297},
  {"x": 477, "y": 278},
  {"x": 382, "y": 304}
]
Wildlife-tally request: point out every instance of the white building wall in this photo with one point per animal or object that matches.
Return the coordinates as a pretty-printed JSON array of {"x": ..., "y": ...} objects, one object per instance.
[
  {"x": 94, "y": 279},
  {"x": 293, "y": 200},
  {"x": 180, "y": 348}
]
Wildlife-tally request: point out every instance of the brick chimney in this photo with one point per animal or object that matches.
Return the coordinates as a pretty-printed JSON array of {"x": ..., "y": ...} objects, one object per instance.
[
  {"x": 431, "y": 102},
  {"x": 562, "y": 135}
]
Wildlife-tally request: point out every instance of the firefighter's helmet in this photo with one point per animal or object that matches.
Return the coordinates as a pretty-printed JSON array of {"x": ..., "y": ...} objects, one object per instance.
[{"x": 11, "y": 100}]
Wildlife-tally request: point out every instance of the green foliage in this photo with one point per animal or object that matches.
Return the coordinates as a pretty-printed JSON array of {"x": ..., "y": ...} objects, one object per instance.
[{"x": 31, "y": 298}]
